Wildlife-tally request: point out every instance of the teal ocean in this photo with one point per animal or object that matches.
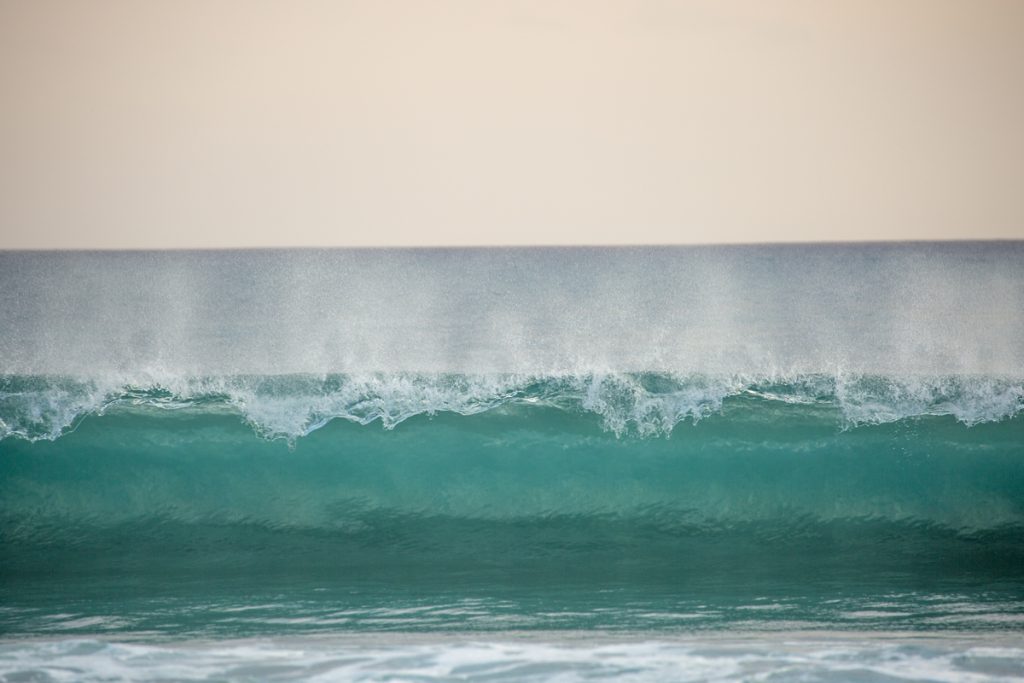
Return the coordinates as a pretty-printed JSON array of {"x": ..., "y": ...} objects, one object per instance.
[{"x": 799, "y": 463}]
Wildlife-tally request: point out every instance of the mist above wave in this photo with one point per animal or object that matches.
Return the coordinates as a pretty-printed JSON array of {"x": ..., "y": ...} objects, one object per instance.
[{"x": 910, "y": 309}]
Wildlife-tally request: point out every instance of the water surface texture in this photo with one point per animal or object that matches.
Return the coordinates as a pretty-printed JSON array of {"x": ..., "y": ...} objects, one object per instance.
[{"x": 792, "y": 463}]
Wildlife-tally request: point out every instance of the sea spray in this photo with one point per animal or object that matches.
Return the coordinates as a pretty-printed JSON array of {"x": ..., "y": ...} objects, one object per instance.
[{"x": 935, "y": 310}]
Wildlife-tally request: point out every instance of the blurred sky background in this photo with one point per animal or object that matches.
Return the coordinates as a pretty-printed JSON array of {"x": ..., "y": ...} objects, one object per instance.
[{"x": 249, "y": 123}]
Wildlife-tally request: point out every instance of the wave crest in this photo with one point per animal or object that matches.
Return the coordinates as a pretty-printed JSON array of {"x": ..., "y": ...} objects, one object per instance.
[{"x": 645, "y": 404}]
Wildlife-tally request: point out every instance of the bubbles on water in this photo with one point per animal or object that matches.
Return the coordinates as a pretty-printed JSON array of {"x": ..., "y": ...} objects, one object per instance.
[{"x": 523, "y": 657}]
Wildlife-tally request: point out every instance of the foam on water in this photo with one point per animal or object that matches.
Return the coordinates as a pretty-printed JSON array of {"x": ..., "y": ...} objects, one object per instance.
[
  {"x": 647, "y": 404},
  {"x": 515, "y": 657}
]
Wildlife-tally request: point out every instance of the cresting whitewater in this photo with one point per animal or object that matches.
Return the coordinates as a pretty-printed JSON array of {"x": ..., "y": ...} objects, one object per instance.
[{"x": 744, "y": 463}]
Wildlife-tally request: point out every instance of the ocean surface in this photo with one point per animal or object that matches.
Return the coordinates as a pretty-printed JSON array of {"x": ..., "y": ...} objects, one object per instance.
[{"x": 784, "y": 463}]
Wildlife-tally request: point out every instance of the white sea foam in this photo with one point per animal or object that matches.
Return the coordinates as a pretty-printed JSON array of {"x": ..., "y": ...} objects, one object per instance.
[
  {"x": 521, "y": 657},
  {"x": 648, "y": 404}
]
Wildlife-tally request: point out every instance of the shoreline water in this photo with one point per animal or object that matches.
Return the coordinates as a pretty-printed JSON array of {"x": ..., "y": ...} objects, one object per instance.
[{"x": 514, "y": 656}]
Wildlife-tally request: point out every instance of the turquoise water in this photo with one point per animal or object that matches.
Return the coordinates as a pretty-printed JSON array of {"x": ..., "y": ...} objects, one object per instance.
[
  {"x": 641, "y": 464},
  {"x": 768, "y": 514}
]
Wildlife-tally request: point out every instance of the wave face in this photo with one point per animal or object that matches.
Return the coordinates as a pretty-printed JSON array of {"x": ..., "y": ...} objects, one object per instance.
[{"x": 766, "y": 514}]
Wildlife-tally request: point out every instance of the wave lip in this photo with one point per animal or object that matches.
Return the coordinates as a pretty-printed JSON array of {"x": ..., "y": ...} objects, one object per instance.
[{"x": 643, "y": 404}]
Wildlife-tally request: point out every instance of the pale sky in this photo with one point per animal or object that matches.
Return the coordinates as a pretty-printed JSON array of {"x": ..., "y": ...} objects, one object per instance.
[{"x": 249, "y": 123}]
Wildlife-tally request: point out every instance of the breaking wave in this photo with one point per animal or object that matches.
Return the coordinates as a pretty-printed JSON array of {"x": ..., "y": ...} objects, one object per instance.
[{"x": 643, "y": 404}]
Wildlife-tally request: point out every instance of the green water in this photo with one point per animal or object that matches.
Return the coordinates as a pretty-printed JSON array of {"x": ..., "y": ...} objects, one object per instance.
[{"x": 151, "y": 522}]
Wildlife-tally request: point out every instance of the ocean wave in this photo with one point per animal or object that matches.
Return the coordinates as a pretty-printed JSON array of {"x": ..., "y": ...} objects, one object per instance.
[{"x": 641, "y": 404}]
